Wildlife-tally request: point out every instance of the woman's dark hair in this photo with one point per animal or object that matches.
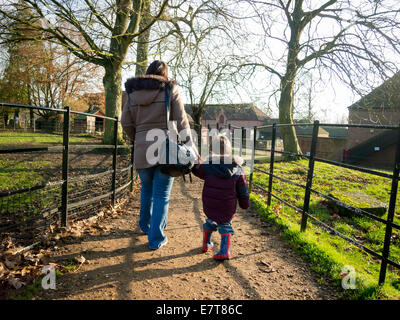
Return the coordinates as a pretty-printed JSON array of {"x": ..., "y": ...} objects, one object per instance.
[{"x": 159, "y": 68}]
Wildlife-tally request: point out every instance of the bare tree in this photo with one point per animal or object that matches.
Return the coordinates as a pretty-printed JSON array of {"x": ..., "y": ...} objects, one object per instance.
[
  {"x": 354, "y": 41},
  {"x": 304, "y": 96},
  {"x": 201, "y": 48},
  {"x": 142, "y": 50},
  {"x": 108, "y": 28}
]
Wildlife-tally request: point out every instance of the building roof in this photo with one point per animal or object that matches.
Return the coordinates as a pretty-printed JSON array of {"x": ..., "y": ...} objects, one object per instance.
[
  {"x": 308, "y": 131},
  {"x": 335, "y": 132},
  {"x": 91, "y": 111},
  {"x": 244, "y": 111},
  {"x": 331, "y": 132},
  {"x": 387, "y": 96}
]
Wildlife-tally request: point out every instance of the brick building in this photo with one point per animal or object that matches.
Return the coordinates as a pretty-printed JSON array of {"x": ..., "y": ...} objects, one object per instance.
[
  {"x": 88, "y": 124},
  {"x": 245, "y": 115},
  {"x": 241, "y": 115},
  {"x": 375, "y": 147}
]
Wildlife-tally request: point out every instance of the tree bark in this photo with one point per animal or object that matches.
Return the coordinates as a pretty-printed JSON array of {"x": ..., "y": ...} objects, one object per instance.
[
  {"x": 112, "y": 81},
  {"x": 289, "y": 137},
  {"x": 143, "y": 41},
  {"x": 197, "y": 118}
]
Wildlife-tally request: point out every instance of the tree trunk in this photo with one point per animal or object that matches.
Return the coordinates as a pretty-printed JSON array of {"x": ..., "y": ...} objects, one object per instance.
[
  {"x": 112, "y": 81},
  {"x": 143, "y": 41},
  {"x": 289, "y": 137},
  {"x": 197, "y": 117}
]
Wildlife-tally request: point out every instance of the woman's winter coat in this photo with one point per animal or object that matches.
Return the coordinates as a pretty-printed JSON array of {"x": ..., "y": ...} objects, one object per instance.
[{"x": 145, "y": 110}]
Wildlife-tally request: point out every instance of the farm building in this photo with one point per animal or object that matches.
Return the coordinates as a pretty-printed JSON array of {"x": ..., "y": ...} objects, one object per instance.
[
  {"x": 375, "y": 147},
  {"x": 245, "y": 115},
  {"x": 241, "y": 115},
  {"x": 331, "y": 141},
  {"x": 88, "y": 124}
]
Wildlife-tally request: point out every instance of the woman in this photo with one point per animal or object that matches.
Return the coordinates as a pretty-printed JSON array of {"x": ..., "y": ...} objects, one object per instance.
[{"x": 144, "y": 111}]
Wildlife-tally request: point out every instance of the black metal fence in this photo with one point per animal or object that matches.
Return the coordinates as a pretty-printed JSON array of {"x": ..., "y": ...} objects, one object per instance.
[
  {"x": 64, "y": 176},
  {"x": 393, "y": 178}
]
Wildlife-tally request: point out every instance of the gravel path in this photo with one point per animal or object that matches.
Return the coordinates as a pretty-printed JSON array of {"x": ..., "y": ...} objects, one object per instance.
[{"x": 120, "y": 265}]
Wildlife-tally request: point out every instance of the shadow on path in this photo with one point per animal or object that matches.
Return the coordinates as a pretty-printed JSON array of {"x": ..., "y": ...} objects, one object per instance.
[{"x": 242, "y": 281}]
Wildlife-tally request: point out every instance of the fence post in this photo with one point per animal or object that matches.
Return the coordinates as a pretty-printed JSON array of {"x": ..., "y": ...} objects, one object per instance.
[
  {"x": 241, "y": 142},
  {"x": 199, "y": 137},
  {"x": 310, "y": 174},
  {"x": 271, "y": 163},
  {"x": 253, "y": 158},
  {"x": 114, "y": 163},
  {"x": 389, "y": 220},
  {"x": 230, "y": 135},
  {"x": 64, "y": 188},
  {"x": 132, "y": 171}
]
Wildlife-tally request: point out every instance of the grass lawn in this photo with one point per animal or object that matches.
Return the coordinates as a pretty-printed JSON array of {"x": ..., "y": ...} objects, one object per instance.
[
  {"x": 21, "y": 170},
  {"x": 329, "y": 253},
  {"x": 17, "y": 139},
  {"x": 17, "y": 174}
]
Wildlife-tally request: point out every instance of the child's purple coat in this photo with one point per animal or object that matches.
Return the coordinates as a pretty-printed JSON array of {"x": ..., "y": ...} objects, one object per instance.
[{"x": 224, "y": 185}]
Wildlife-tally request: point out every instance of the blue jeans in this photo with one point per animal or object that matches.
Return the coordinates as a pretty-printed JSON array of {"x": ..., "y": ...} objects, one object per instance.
[
  {"x": 154, "y": 201},
  {"x": 222, "y": 228}
]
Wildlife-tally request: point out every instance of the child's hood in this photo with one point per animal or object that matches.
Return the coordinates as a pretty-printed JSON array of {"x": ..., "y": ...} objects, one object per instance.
[{"x": 224, "y": 170}]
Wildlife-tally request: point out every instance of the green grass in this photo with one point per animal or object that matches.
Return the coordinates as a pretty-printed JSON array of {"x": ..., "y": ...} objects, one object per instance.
[
  {"x": 13, "y": 138},
  {"x": 25, "y": 171},
  {"x": 20, "y": 171},
  {"x": 19, "y": 174},
  {"x": 16, "y": 174},
  {"x": 327, "y": 252}
]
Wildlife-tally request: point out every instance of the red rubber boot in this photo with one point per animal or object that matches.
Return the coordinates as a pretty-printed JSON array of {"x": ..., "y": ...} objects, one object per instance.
[
  {"x": 207, "y": 243},
  {"x": 224, "y": 252}
]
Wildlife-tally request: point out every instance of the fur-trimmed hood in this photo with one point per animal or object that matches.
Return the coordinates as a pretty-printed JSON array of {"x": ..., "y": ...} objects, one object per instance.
[
  {"x": 143, "y": 90},
  {"x": 150, "y": 81}
]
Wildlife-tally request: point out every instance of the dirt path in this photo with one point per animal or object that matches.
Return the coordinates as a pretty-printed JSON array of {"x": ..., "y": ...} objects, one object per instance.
[{"x": 120, "y": 265}]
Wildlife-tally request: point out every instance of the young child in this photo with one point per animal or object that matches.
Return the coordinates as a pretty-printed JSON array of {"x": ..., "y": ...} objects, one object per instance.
[{"x": 224, "y": 184}]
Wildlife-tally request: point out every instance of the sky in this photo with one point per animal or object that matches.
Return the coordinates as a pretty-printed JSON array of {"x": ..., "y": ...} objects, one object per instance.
[{"x": 330, "y": 100}]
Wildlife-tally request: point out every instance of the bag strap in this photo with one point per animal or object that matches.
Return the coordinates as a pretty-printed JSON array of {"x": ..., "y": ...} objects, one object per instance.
[{"x": 167, "y": 93}]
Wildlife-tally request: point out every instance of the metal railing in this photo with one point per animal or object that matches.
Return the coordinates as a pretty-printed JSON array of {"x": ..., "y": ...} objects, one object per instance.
[
  {"x": 65, "y": 205},
  {"x": 308, "y": 189}
]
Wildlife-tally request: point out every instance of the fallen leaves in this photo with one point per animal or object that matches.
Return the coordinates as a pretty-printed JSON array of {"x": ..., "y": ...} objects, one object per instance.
[
  {"x": 277, "y": 209},
  {"x": 20, "y": 266},
  {"x": 3, "y": 270},
  {"x": 11, "y": 260},
  {"x": 16, "y": 283},
  {"x": 17, "y": 267}
]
